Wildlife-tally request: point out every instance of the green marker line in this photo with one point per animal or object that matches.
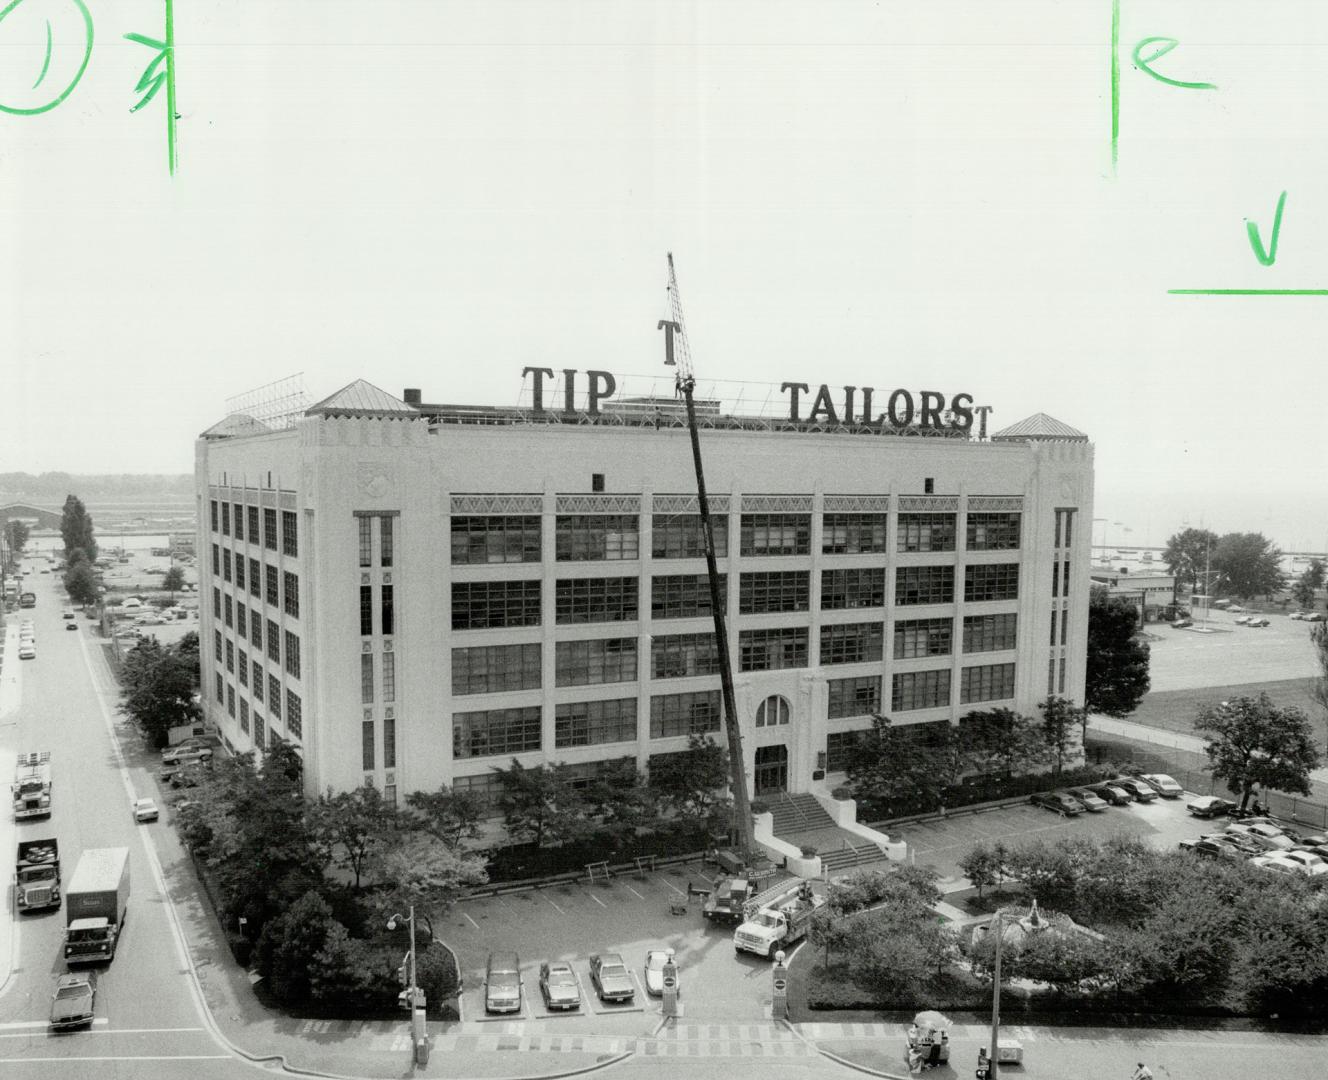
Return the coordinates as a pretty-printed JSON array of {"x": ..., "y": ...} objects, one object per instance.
[
  {"x": 1115, "y": 82},
  {"x": 171, "y": 157},
  {"x": 1247, "y": 292},
  {"x": 46, "y": 63}
]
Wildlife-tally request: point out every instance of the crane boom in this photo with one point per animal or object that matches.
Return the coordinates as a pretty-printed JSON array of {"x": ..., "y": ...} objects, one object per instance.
[{"x": 678, "y": 353}]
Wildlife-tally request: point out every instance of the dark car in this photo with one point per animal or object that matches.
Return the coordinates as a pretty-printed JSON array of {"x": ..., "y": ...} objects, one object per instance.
[
  {"x": 1243, "y": 844},
  {"x": 502, "y": 983},
  {"x": 1208, "y": 806},
  {"x": 72, "y": 1003},
  {"x": 1213, "y": 849},
  {"x": 1090, "y": 799},
  {"x": 1139, "y": 791},
  {"x": 1058, "y": 801},
  {"x": 559, "y": 986},
  {"x": 1111, "y": 793},
  {"x": 613, "y": 982}
]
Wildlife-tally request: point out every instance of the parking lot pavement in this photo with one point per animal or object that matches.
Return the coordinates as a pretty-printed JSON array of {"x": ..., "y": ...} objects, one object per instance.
[
  {"x": 627, "y": 915},
  {"x": 942, "y": 843},
  {"x": 1230, "y": 653}
]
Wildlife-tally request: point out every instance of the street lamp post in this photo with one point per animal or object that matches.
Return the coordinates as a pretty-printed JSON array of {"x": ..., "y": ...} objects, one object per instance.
[
  {"x": 992, "y": 1066},
  {"x": 415, "y": 1000}
]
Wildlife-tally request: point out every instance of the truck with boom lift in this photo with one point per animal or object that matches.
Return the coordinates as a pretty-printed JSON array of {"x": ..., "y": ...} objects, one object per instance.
[{"x": 774, "y": 922}]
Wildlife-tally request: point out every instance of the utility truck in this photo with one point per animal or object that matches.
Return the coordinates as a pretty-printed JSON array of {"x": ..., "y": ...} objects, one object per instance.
[
  {"x": 96, "y": 903},
  {"x": 730, "y": 896},
  {"x": 774, "y": 922},
  {"x": 37, "y": 875},
  {"x": 32, "y": 785}
]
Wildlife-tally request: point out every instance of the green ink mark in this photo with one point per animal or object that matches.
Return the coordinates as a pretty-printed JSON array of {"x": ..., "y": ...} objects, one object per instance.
[
  {"x": 1247, "y": 292},
  {"x": 46, "y": 61},
  {"x": 153, "y": 78},
  {"x": 1167, "y": 44},
  {"x": 16, "y": 110},
  {"x": 1266, "y": 258},
  {"x": 1115, "y": 81}
]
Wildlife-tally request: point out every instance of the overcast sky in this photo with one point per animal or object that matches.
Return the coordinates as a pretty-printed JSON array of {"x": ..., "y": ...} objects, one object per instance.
[{"x": 895, "y": 194}]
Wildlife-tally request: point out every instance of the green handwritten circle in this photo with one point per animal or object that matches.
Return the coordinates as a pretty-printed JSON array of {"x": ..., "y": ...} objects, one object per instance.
[{"x": 87, "y": 55}]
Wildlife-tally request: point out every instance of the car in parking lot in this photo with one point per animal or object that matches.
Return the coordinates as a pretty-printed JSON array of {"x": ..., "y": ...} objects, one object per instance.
[
  {"x": 502, "y": 983},
  {"x": 183, "y": 755},
  {"x": 1088, "y": 799},
  {"x": 558, "y": 985},
  {"x": 1216, "y": 848},
  {"x": 1182, "y": 624},
  {"x": 1269, "y": 837},
  {"x": 1163, "y": 785},
  {"x": 654, "y": 970},
  {"x": 1057, "y": 800},
  {"x": 1314, "y": 864},
  {"x": 1257, "y": 622},
  {"x": 73, "y": 1003},
  {"x": 1315, "y": 616},
  {"x": 1295, "y": 614},
  {"x": 71, "y": 625},
  {"x": 612, "y": 980},
  {"x": 1275, "y": 863},
  {"x": 1210, "y": 806},
  {"x": 1242, "y": 620},
  {"x": 1111, "y": 793},
  {"x": 1138, "y": 790},
  {"x": 1244, "y": 844},
  {"x": 27, "y": 651}
]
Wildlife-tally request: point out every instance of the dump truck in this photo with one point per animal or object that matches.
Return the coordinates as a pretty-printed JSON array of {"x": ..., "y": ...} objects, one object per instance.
[
  {"x": 37, "y": 875},
  {"x": 729, "y": 898},
  {"x": 96, "y": 903},
  {"x": 775, "y": 922},
  {"x": 32, "y": 785}
]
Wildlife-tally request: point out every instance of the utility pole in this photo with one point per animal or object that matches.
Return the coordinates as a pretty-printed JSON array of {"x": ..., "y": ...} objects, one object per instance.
[
  {"x": 996, "y": 998},
  {"x": 678, "y": 354}
]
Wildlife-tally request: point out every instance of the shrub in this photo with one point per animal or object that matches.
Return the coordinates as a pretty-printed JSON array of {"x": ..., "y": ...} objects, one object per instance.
[{"x": 808, "y": 851}]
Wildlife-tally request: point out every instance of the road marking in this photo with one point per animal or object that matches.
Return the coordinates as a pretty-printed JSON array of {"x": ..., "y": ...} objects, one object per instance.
[
  {"x": 470, "y": 920},
  {"x": 633, "y": 892},
  {"x": 118, "y": 1057},
  {"x": 674, "y": 887},
  {"x": 556, "y": 908},
  {"x": 597, "y": 900},
  {"x": 16, "y": 1025}
]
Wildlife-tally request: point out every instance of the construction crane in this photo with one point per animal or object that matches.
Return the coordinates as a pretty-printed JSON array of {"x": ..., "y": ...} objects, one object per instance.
[{"x": 677, "y": 353}]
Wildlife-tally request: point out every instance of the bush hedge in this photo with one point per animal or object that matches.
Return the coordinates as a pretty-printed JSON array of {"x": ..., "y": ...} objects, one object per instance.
[
  {"x": 986, "y": 789},
  {"x": 518, "y": 862}
]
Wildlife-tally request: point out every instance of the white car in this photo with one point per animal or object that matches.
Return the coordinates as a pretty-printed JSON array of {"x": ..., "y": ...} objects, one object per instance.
[
  {"x": 66, "y": 614},
  {"x": 145, "y": 810},
  {"x": 1266, "y": 836},
  {"x": 27, "y": 651},
  {"x": 1277, "y": 864},
  {"x": 1296, "y": 615},
  {"x": 1313, "y": 864},
  {"x": 1163, "y": 785},
  {"x": 1241, "y": 620},
  {"x": 1257, "y": 622}
]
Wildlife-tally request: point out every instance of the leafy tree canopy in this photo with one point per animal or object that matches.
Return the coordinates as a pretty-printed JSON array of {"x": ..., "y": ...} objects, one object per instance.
[
  {"x": 1117, "y": 675},
  {"x": 1252, "y": 742},
  {"x": 81, "y": 584},
  {"x": 160, "y": 684},
  {"x": 1250, "y": 565},
  {"x": 1187, "y": 554},
  {"x": 173, "y": 580},
  {"x": 76, "y": 529}
]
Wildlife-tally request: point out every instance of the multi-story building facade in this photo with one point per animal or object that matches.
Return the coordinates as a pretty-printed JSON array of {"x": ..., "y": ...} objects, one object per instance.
[{"x": 415, "y": 594}]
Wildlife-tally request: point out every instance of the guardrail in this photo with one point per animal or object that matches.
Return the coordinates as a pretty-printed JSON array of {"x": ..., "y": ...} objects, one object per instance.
[{"x": 571, "y": 877}]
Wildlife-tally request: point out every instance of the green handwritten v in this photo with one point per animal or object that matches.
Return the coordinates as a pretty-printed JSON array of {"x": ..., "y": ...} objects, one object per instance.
[{"x": 1266, "y": 258}]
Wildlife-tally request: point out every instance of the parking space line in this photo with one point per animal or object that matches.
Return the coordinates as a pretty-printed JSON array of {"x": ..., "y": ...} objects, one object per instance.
[
  {"x": 597, "y": 900},
  {"x": 555, "y": 907},
  {"x": 673, "y": 887},
  {"x": 470, "y": 920},
  {"x": 633, "y": 891}
]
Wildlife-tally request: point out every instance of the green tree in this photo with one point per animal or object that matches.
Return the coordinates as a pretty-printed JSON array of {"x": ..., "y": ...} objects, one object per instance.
[
  {"x": 1281, "y": 961},
  {"x": 289, "y": 945},
  {"x": 1253, "y": 743},
  {"x": 81, "y": 584},
  {"x": 76, "y": 529},
  {"x": 982, "y": 866},
  {"x": 1187, "y": 554},
  {"x": 1001, "y": 741},
  {"x": 1060, "y": 719},
  {"x": 1117, "y": 675},
  {"x": 16, "y": 536},
  {"x": 354, "y": 828},
  {"x": 1319, "y": 685},
  {"x": 346, "y": 972},
  {"x": 540, "y": 806},
  {"x": 173, "y": 581},
  {"x": 451, "y": 816},
  {"x": 1317, "y": 573},
  {"x": 693, "y": 782},
  {"x": 1303, "y": 592},
  {"x": 885, "y": 762},
  {"x": 1250, "y": 565},
  {"x": 420, "y": 870},
  {"x": 160, "y": 685}
]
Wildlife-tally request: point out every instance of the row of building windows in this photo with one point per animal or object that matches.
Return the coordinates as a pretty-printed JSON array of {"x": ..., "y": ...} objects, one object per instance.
[
  {"x": 273, "y": 586},
  {"x": 386, "y": 608},
  {"x": 364, "y": 524},
  {"x": 484, "y": 605},
  {"x": 367, "y": 748},
  {"x": 505, "y": 538},
  {"x": 387, "y": 688},
  {"x": 231, "y": 520},
  {"x": 503, "y": 732},
  {"x": 294, "y": 707}
]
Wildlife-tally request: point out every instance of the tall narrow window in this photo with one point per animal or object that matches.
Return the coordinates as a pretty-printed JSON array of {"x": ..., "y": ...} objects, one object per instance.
[
  {"x": 385, "y": 541},
  {"x": 269, "y": 529},
  {"x": 366, "y": 679},
  {"x": 389, "y": 676},
  {"x": 290, "y": 537},
  {"x": 239, "y": 522},
  {"x": 366, "y": 540},
  {"x": 389, "y": 618},
  {"x": 367, "y": 745},
  {"x": 389, "y": 740},
  {"x": 366, "y": 609}
]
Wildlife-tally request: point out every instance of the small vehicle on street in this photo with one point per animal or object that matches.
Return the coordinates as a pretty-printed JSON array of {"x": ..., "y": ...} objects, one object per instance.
[
  {"x": 502, "y": 983},
  {"x": 71, "y": 625},
  {"x": 66, "y": 614},
  {"x": 1315, "y": 616},
  {"x": 613, "y": 982},
  {"x": 1138, "y": 790},
  {"x": 654, "y": 970},
  {"x": 72, "y": 1004},
  {"x": 1295, "y": 615},
  {"x": 1163, "y": 785},
  {"x": 1088, "y": 799},
  {"x": 558, "y": 985},
  {"x": 1112, "y": 793},
  {"x": 27, "y": 651},
  {"x": 1058, "y": 801},
  {"x": 184, "y": 755},
  {"x": 1182, "y": 624},
  {"x": 145, "y": 810},
  {"x": 1210, "y": 806}
]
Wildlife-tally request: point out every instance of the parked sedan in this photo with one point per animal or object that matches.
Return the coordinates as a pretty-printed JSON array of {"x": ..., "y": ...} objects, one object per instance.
[
  {"x": 1058, "y": 801},
  {"x": 613, "y": 982},
  {"x": 1138, "y": 790},
  {"x": 1275, "y": 863},
  {"x": 1163, "y": 785},
  {"x": 655, "y": 961},
  {"x": 145, "y": 810},
  {"x": 1182, "y": 624},
  {"x": 73, "y": 1002},
  {"x": 1259, "y": 622},
  {"x": 1213, "y": 849},
  {"x": 1088, "y": 799},
  {"x": 1112, "y": 793},
  {"x": 558, "y": 984},
  {"x": 1242, "y": 620},
  {"x": 502, "y": 983},
  {"x": 1208, "y": 806},
  {"x": 1314, "y": 864},
  {"x": 1244, "y": 844},
  {"x": 1269, "y": 837}
]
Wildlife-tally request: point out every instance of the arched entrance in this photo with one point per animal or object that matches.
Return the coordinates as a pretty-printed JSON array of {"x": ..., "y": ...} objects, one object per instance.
[{"x": 771, "y": 775}]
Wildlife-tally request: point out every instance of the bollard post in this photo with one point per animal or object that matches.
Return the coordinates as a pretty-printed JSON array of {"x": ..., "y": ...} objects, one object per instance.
[
  {"x": 670, "y": 986},
  {"x": 779, "y": 1001}
]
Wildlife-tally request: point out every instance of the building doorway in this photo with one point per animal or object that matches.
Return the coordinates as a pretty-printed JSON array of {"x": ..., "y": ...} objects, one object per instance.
[{"x": 771, "y": 770}]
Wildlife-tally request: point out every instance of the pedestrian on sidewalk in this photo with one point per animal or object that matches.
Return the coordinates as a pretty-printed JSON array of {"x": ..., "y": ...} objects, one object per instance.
[{"x": 1143, "y": 1072}]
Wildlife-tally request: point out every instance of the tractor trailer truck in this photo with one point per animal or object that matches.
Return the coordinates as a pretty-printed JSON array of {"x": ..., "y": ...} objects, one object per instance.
[
  {"x": 37, "y": 875},
  {"x": 32, "y": 785},
  {"x": 96, "y": 903}
]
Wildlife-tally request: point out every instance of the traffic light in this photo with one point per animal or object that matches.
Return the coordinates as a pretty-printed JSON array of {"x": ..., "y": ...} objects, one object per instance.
[{"x": 402, "y": 977}]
